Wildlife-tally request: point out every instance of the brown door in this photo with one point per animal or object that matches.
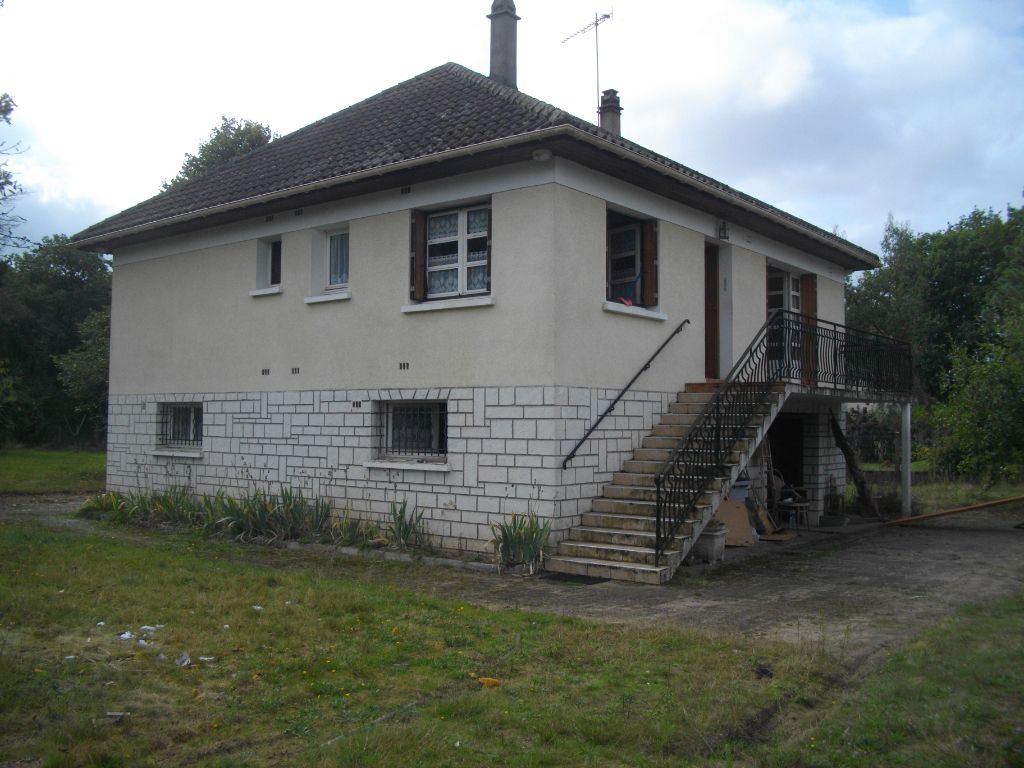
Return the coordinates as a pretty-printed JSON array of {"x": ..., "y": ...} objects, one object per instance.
[{"x": 711, "y": 324}]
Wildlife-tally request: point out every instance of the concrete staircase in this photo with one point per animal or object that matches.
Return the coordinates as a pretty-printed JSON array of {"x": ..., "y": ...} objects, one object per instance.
[{"x": 615, "y": 539}]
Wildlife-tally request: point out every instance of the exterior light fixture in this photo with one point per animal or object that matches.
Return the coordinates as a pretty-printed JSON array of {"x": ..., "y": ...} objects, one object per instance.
[{"x": 723, "y": 231}]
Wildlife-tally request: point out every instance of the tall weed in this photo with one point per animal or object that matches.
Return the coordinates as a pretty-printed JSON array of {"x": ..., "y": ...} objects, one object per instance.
[
  {"x": 520, "y": 540},
  {"x": 406, "y": 528}
]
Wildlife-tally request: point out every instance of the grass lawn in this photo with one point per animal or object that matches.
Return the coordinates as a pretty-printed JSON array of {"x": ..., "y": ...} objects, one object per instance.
[
  {"x": 31, "y": 471},
  {"x": 953, "y": 698},
  {"x": 330, "y": 670}
]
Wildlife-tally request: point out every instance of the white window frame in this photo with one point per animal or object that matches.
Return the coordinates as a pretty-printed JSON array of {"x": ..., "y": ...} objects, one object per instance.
[
  {"x": 341, "y": 285},
  {"x": 265, "y": 266},
  {"x": 792, "y": 301},
  {"x": 462, "y": 237},
  {"x": 321, "y": 289}
]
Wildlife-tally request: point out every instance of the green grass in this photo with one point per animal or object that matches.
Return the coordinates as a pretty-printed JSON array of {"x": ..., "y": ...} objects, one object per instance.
[
  {"x": 33, "y": 471},
  {"x": 953, "y": 698},
  {"x": 336, "y": 670}
]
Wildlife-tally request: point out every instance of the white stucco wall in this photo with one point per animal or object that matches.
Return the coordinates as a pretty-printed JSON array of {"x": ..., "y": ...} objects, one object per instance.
[{"x": 831, "y": 300}]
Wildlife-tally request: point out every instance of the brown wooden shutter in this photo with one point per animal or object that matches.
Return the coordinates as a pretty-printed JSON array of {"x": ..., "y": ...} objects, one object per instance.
[
  {"x": 809, "y": 295},
  {"x": 490, "y": 238},
  {"x": 418, "y": 257},
  {"x": 649, "y": 264},
  {"x": 809, "y": 309}
]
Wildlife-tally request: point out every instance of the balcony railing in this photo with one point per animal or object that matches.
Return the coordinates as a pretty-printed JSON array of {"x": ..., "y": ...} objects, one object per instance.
[{"x": 788, "y": 349}]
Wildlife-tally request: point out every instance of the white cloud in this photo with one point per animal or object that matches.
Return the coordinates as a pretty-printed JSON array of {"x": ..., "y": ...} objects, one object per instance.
[{"x": 836, "y": 111}]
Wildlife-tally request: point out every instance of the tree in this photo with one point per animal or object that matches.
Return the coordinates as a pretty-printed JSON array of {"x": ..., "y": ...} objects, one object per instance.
[
  {"x": 45, "y": 294},
  {"x": 232, "y": 138},
  {"x": 933, "y": 290},
  {"x": 83, "y": 371},
  {"x": 9, "y": 187},
  {"x": 984, "y": 408}
]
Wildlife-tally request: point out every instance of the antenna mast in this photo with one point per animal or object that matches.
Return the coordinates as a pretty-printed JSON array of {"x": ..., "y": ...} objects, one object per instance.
[{"x": 598, "y": 21}]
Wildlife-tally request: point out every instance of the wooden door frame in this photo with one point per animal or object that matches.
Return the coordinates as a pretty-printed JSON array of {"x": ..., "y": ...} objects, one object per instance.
[{"x": 712, "y": 313}]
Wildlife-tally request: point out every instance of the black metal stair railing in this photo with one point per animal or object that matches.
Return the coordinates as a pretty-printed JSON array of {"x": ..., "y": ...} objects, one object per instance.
[{"x": 788, "y": 349}]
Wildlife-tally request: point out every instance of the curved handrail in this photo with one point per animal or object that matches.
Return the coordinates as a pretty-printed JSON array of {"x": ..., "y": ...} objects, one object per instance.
[
  {"x": 789, "y": 347},
  {"x": 623, "y": 391}
]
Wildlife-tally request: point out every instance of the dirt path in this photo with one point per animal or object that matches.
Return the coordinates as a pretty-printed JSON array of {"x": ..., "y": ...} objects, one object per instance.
[{"x": 856, "y": 594}]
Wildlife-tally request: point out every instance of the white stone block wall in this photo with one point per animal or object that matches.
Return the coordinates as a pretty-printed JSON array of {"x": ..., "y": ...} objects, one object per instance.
[
  {"x": 824, "y": 464},
  {"x": 505, "y": 451}
]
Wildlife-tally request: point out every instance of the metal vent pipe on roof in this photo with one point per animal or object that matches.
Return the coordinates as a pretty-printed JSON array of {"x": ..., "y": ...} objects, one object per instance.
[{"x": 503, "y": 42}]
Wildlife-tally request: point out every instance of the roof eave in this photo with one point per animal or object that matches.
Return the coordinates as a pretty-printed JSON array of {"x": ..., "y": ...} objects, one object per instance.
[{"x": 725, "y": 202}]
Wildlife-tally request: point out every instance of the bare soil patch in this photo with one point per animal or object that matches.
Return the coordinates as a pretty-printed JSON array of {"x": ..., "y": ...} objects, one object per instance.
[{"x": 856, "y": 594}]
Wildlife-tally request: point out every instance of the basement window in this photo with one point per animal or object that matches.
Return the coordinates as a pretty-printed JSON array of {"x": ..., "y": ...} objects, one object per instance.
[
  {"x": 414, "y": 429},
  {"x": 181, "y": 425}
]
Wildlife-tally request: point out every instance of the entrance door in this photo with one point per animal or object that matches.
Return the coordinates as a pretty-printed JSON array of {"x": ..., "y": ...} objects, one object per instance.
[{"x": 712, "y": 368}]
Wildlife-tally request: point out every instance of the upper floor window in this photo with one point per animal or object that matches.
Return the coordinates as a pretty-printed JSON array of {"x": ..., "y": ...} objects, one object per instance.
[
  {"x": 337, "y": 261},
  {"x": 632, "y": 260},
  {"x": 783, "y": 290},
  {"x": 268, "y": 266},
  {"x": 451, "y": 254}
]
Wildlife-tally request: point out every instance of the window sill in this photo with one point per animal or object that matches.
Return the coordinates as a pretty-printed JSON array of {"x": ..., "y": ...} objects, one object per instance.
[
  {"x": 621, "y": 309},
  {"x": 332, "y": 296},
  {"x": 421, "y": 465},
  {"x": 463, "y": 303},
  {"x": 176, "y": 453},
  {"x": 272, "y": 290}
]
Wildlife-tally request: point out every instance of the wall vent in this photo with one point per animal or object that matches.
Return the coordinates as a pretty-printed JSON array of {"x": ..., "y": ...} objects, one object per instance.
[
  {"x": 403, "y": 366},
  {"x": 265, "y": 372}
]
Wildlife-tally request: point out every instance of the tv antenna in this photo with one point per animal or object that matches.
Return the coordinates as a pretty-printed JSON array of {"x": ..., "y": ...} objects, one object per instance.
[{"x": 597, "y": 22}]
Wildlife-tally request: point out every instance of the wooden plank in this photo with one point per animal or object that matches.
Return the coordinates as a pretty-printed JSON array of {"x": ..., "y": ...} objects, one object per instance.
[{"x": 955, "y": 511}]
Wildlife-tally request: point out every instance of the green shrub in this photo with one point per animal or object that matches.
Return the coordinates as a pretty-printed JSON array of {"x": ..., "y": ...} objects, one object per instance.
[
  {"x": 348, "y": 532},
  {"x": 520, "y": 540},
  {"x": 287, "y": 515},
  {"x": 406, "y": 528}
]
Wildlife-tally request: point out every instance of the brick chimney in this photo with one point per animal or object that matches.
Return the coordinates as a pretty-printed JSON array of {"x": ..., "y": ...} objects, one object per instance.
[
  {"x": 503, "y": 41},
  {"x": 611, "y": 112}
]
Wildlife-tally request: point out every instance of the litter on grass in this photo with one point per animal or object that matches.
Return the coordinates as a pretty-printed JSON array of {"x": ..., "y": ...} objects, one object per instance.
[
  {"x": 126, "y": 635},
  {"x": 184, "y": 660}
]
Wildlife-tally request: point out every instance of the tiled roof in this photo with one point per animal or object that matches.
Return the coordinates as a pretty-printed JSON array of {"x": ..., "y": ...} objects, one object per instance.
[{"x": 447, "y": 108}]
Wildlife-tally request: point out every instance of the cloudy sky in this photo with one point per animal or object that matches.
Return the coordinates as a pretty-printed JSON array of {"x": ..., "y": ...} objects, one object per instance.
[{"x": 840, "y": 112}]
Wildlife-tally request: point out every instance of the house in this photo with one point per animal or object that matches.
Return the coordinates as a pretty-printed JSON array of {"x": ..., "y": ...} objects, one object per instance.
[{"x": 434, "y": 294}]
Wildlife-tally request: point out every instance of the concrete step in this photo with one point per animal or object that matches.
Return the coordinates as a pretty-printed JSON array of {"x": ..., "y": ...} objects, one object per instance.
[
  {"x": 677, "y": 419},
  {"x": 645, "y": 479},
  {"x": 657, "y": 455},
  {"x": 677, "y": 431},
  {"x": 618, "y": 553},
  {"x": 633, "y": 507},
  {"x": 629, "y": 538},
  {"x": 666, "y": 443},
  {"x": 693, "y": 408},
  {"x": 694, "y": 397},
  {"x": 618, "y": 521},
  {"x": 711, "y": 385},
  {"x": 607, "y": 569},
  {"x": 646, "y": 493}
]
